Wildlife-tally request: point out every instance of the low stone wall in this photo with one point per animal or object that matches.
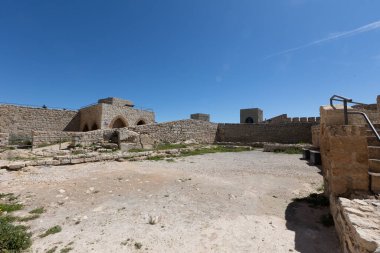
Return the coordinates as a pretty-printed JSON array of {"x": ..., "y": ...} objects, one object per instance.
[
  {"x": 357, "y": 223},
  {"x": 180, "y": 131},
  {"x": 76, "y": 138},
  {"x": 289, "y": 133},
  {"x": 4, "y": 138}
]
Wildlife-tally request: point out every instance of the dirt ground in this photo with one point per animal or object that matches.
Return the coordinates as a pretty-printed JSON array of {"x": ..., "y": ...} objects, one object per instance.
[{"x": 224, "y": 202}]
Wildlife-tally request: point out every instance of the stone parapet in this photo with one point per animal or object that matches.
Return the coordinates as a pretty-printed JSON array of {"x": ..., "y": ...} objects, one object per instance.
[{"x": 344, "y": 155}]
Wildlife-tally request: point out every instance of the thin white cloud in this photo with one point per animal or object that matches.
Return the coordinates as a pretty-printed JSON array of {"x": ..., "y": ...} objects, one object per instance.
[{"x": 334, "y": 36}]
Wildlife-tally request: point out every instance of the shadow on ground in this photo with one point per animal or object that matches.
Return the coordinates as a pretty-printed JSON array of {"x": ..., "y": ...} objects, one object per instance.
[{"x": 310, "y": 234}]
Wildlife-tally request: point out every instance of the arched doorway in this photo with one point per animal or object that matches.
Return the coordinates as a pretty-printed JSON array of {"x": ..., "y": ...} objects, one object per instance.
[
  {"x": 249, "y": 120},
  {"x": 85, "y": 128},
  {"x": 141, "y": 122},
  {"x": 118, "y": 123},
  {"x": 94, "y": 127}
]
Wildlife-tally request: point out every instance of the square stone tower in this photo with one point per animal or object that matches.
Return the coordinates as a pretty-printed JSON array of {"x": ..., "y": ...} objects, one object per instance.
[
  {"x": 200, "y": 116},
  {"x": 251, "y": 115}
]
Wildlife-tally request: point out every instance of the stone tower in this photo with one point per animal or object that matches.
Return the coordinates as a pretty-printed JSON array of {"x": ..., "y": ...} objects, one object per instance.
[{"x": 251, "y": 115}]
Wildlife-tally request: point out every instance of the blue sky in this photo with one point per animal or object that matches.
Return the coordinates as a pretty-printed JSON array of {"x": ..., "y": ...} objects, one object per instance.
[{"x": 180, "y": 57}]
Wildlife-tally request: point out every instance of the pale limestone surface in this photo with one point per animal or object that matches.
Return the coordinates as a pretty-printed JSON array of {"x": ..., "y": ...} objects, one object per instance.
[{"x": 226, "y": 202}]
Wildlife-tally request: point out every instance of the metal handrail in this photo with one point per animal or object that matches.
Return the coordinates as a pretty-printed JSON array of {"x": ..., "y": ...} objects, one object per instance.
[
  {"x": 369, "y": 123},
  {"x": 346, "y": 112}
]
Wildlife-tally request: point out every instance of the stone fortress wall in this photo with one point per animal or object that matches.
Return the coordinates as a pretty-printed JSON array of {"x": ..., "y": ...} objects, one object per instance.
[
  {"x": 194, "y": 130},
  {"x": 52, "y": 126},
  {"x": 289, "y": 133},
  {"x": 21, "y": 120}
]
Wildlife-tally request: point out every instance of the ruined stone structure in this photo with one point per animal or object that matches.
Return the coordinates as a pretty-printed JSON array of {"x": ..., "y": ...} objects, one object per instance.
[
  {"x": 251, "y": 115},
  {"x": 200, "y": 116},
  {"x": 113, "y": 113},
  {"x": 351, "y": 170},
  {"x": 108, "y": 113}
]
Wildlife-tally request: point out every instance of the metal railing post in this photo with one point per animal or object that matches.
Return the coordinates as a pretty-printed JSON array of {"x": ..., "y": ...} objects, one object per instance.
[{"x": 345, "y": 112}]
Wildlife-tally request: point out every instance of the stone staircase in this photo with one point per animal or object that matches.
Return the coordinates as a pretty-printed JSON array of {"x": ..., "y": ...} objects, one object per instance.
[{"x": 374, "y": 160}]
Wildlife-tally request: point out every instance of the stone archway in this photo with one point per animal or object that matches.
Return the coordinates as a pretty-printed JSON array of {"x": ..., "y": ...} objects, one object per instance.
[
  {"x": 118, "y": 122},
  {"x": 249, "y": 120},
  {"x": 141, "y": 122},
  {"x": 94, "y": 127},
  {"x": 85, "y": 128}
]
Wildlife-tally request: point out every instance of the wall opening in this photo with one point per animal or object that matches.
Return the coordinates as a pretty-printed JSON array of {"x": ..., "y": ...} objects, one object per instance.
[
  {"x": 118, "y": 123},
  {"x": 249, "y": 120},
  {"x": 94, "y": 127},
  {"x": 141, "y": 122},
  {"x": 85, "y": 128}
]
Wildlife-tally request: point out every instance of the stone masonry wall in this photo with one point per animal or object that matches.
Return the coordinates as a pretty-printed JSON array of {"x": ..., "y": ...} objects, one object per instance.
[
  {"x": 21, "y": 120},
  {"x": 357, "y": 223},
  {"x": 4, "y": 138},
  {"x": 178, "y": 131},
  {"x": 344, "y": 156},
  {"x": 316, "y": 133},
  {"x": 289, "y": 133},
  {"x": 90, "y": 116},
  {"x": 82, "y": 138},
  {"x": 129, "y": 114}
]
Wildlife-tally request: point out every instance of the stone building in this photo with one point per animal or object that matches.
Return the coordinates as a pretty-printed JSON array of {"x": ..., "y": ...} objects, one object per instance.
[
  {"x": 200, "y": 116},
  {"x": 107, "y": 113},
  {"x": 113, "y": 113},
  {"x": 251, "y": 115}
]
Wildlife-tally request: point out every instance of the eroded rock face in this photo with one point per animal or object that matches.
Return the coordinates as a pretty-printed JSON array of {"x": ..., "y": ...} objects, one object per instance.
[{"x": 357, "y": 222}]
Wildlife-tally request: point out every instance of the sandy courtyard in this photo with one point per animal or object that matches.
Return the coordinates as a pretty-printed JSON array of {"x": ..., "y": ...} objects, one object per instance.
[{"x": 224, "y": 202}]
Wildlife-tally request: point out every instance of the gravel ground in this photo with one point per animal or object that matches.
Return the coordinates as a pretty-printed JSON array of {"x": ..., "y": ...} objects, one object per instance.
[{"x": 224, "y": 202}]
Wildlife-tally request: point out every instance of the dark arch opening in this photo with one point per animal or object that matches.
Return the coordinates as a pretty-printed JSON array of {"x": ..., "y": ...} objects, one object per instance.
[
  {"x": 249, "y": 120},
  {"x": 85, "y": 129},
  {"x": 94, "y": 127},
  {"x": 141, "y": 122},
  {"x": 118, "y": 123}
]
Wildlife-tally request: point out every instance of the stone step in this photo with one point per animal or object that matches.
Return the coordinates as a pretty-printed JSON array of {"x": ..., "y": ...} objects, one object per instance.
[
  {"x": 373, "y": 152},
  {"x": 373, "y": 141},
  {"x": 375, "y": 182},
  {"x": 374, "y": 165},
  {"x": 370, "y": 133}
]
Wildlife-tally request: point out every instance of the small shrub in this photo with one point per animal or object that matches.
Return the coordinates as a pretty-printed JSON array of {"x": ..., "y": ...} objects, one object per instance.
[
  {"x": 7, "y": 218},
  {"x": 138, "y": 245},
  {"x": 155, "y": 158},
  {"x": 78, "y": 152},
  {"x": 67, "y": 249},
  {"x": 10, "y": 207},
  {"x": 38, "y": 210},
  {"x": 165, "y": 146},
  {"x": 28, "y": 218},
  {"x": 135, "y": 150},
  {"x": 13, "y": 238},
  {"x": 52, "y": 250},
  {"x": 50, "y": 231}
]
